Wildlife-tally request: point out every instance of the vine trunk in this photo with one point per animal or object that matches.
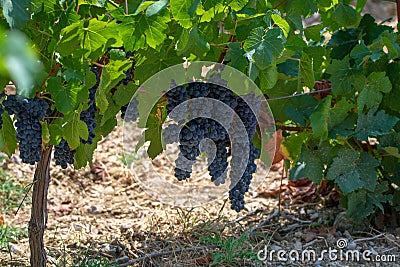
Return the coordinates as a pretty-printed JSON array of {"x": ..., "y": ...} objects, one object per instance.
[{"x": 38, "y": 220}]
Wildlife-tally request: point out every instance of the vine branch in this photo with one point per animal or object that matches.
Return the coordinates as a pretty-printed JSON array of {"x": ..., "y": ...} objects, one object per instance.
[
  {"x": 51, "y": 73},
  {"x": 223, "y": 53}
]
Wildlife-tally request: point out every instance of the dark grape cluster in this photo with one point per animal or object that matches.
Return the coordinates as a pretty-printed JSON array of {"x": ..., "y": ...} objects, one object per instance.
[
  {"x": 63, "y": 154},
  {"x": 200, "y": 126},
  {"x": 89, "y": 115},
  {"x": 28, "y": 113},
  {"x": 133, "y": 113},
  {"x": 129, "y": 73}
]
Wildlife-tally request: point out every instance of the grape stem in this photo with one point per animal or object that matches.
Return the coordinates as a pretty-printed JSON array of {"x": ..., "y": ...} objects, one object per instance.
[{"x": 51, "y": 73}]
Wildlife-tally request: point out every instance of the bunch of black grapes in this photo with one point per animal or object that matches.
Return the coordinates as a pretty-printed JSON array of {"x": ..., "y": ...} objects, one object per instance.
[
  {"x": 202, "y": 126},
  {"x": 63, "y": 154},
  {"x": 89, "y": 115},
  {"x": 29, "y": 113},
  {"x": 129, "y": 77}
]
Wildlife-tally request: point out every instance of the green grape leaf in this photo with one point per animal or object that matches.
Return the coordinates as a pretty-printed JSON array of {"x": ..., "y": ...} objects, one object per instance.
[
  {"x": 389, "y": 39},
  {"x": 16, "y": 12},
  {"x": 268, "y": 77},
  {"x": 155, "y": 62},
  {"x": 143, "y": 6},
  {"x": 45, "y": 133},
  {"x": 360, "y": 51},
  {"x": 75, "y": 129},
  {"x": 371, "y": 95},
  {"x": 180, "y": 11},
  {"x": 93, "y": 38},
  {"x": 278, "y": 20},
  {"x": 237, "y": 4},
  {"x": 293, "y": 144},
  {"x": 191, "y": 42},
  {"x": 339, "y": 112},
  {"x": 367, "y": 165},
  {"x": 305, "y": 8},
  {"x": 343, "y": 41},
  {"x": 110, "y": 76},
  {"x": 208, "y": 4},
  {"x": 55, "y": 131},
  {"x": 371, "y": 30},
  {"x": 360, "y": 5},
  {"x": 306, "y": 72},
  {"x": 344, "y": 171},
  {"x": 156, "y": 7},
  {"x": 351, "y": 172},
  {"x": 124, "y": 94},
  {"x": 390, "y": 100},
  {"x": 344, "y": 15},
  {"x": 340, "y": 76},
  {"x": 344, "y": 128},
  {"x": 106, "y": 126},
  {"x": 265, "y": 46},
  {"x": 374, "y": 124},
  {"x": 314, "y": 32},
  {"x": 320, "y": 117},
  {"x": 362, "y": 203},
  {"x": 84, "y": 153},
  {"x": 137, "y": 31},
  {"x": 235, "y": 55},
  {"x": 318, "y": 54},
  {"x": 8, "y": 141},
  {"x": 66, "y": 98},
  {"x": 80, "y": 157},
  {"x": 301, "y": 108},
  {"x": 153, "y": 134},
  {"x": 308, "y": 166}
]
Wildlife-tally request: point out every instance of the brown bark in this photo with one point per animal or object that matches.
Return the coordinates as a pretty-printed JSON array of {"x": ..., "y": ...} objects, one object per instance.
[{"x": 38, "y": 220}]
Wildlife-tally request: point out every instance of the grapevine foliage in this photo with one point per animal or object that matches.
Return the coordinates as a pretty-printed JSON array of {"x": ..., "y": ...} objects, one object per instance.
[{"x": 348, "y": 135}]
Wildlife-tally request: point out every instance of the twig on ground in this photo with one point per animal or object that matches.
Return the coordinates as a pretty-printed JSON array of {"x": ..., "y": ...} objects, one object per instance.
[
  {"x": 261, "y": 224},
  {"x": 290, "y": 227},
  {"x": 164, "y": 253},
  {"x": 291, "y": 217},
  {"x": 247, "y": 214},
  {"x": 368, "y": 238}
]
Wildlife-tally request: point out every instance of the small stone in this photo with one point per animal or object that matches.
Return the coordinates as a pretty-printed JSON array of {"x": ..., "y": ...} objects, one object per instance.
[
  {"x": 347, "y": 235},
  {"x": 373, "y": 251},
  {"x": 93, "y": 210},
  {"x": 298, "y": 245},
  {"x": 351, "y": 246},
  {"x": 276, "y": 247},
  {"x": 109, "y": 249},
  {"x": 314, "y": 216},
  {"x": 338, "y": 234},
  {"x": 77, "y": 227},
  {"x": 298, "y": 234},
  {"x": 318, "y": 263}
]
